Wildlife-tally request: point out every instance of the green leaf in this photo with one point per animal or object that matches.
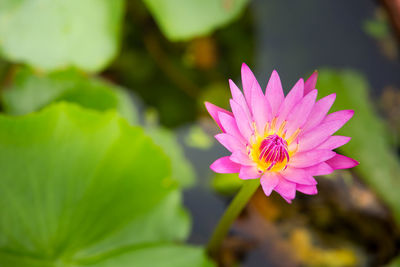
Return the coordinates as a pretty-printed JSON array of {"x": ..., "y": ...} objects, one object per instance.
[
  {"x": 4, "y": 66},
  {"x": 185, "y": 19},
  {"x": 394, "y": 263},
  {"x": 182, "y": 169},
  {"x": 174, "y": 226},
  {"x": 226, "y": 183},
  {"x": 157, "y": 256},
  {"x": 214, "y": 93},
  {"x": 378, "y": 29},
  {"x": 197, "y": 138},
  {"x": 31, "y": 91},
  {"x": 379, "y": 166},
  {"x": 52, "y": 34},
  {"x": 79, "y": 187}
]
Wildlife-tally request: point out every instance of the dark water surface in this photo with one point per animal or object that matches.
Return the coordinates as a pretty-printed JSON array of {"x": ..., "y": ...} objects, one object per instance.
[{"x": 298, "y": 37}]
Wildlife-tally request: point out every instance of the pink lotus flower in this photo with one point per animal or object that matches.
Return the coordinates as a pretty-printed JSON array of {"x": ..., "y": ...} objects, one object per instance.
[{"x": 284, "y": 141}]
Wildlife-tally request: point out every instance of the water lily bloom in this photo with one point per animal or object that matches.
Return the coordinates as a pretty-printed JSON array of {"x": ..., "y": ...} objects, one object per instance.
[{"x": 284, "y": 141}]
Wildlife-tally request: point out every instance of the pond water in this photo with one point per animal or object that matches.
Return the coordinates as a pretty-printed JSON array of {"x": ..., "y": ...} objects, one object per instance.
[{"x": 301, "y": 36}]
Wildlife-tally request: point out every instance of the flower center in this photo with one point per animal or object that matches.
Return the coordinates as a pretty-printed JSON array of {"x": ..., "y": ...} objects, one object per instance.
[{"x": 271, "y": 154}]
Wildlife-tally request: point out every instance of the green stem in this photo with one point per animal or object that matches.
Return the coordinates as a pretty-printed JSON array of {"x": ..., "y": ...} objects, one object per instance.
[{"x": 231, "y": 213}]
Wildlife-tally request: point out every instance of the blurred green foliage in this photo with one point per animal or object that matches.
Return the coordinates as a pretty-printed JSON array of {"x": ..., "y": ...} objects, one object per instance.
[
  {"x": 197, "y": 138},
  {"x": 31, "y": 91},
  {"x": 182, "y": 169},
  {"x": 395, "y": 262},
  {"x": 172, "y": 77},
  {"x": 377, "y": 28},
  {"x": 51, "y": 34},
  {"x": 218, "y": 92},
  {"x": 226, "y": 184},
  {"x": 83, "y": 189},
  {"x": 379, "y": 166},
  {"x": 182, "y": 19}
]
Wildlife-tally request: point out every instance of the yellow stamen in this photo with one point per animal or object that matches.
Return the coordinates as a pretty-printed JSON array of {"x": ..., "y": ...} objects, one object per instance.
[
  {"x": 273, "y": 124},
  {"x": 283, "y": 125},
  {"x": 294, "y": 136},
  {"x": 255, "y": 128}
]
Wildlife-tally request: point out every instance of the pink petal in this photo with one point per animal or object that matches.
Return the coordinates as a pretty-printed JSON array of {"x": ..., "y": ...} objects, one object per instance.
[
  {"x": 249, "y": 82},
  {"x": 242, "y": 120},
  {"x": 319, "y": 169},
  {"x": 269, "y": 181},
  {"x": 274, "y": 92},
  {"x": 310, "y": 158},
  {"x": 287, "y": 199},
  {"x": 230, "y": 142},
  {"x": 241, "y": 158},
  {"x": 342, "y": 162},
  {"x": 300, "y": 113},
  {"x": 293, "y": 97},
  {"x": 307, "y": 189},
  {"x": 311, "y": 82},
  {"x": 238, "y": 97},
  {"x": 249, "y": 172},
  {"x": 334, "y": 142},
  {"x": 318, "y": 135},
  {"x": 286, "y": 189},
  {"x": 319, "y": 112},
  {"x": 229, "y": 124},
  {"x": 342, "y": 115},
  {"x": 261, "y": 110},
  {"x": 298, "y": 176},
  {"x": 214, "y": 110},
  {"x": 225, "y": 165}
]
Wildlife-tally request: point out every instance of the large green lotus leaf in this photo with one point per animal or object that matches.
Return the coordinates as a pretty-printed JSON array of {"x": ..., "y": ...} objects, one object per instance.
[
  {"x": 167, "y": 222},
  {"x": 50, "y": 34},
  {"x": 81, "y": 186},
  {"x": 379, "y": 166},
  {"x": 154, "y": 255},
  {"x": 157, "y": 256},
  {"x": 185, "y": 19},
  {"x": 31, "y": 91}
]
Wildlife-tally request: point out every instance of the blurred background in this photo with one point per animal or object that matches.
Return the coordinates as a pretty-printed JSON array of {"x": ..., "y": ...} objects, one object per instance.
[{"x": 157, "y": 61}]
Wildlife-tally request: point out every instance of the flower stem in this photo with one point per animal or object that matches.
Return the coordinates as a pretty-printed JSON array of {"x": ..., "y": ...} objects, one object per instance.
[{"x": 238, "y": 203}]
